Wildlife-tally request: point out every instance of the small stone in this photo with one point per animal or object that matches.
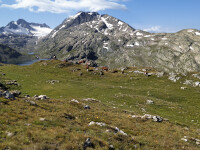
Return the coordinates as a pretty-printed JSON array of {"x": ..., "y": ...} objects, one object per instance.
[
  {"x": 150, "y": 102},
  {"x": 87, "y": 144},
  {"x": 91, "y": 123},
  {"x": 42, "y": 97},
  {"x": 101, "y": 73},
  {"x": 69, "y": 116},
  {"x": 184, "y": 139},
  {"x": 9, "y": 134},
  {"x": 97, "y": 123},
  {"x": 32, "y": 103},
  {"x": 27, "y": 124},
  {"x": 111, "y": 147},
  {"x": 16, "y": 93},
  {"x": 75, "y": 101},
  {"x": 8, "y": 95},
  {"x": 157, "y": 119},
  {"x": 120, "y": 131},
  {"x": 87, "y": 107},
  {"x": 27, "y": 96},
  {"x": 147, "y": 116},
  {"x": 42, "y": 119},
  {"x": 183, "y": 88}
]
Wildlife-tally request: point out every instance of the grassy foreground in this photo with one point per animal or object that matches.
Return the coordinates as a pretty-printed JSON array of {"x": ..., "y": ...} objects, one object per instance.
[{"x": 58, "y": 123}]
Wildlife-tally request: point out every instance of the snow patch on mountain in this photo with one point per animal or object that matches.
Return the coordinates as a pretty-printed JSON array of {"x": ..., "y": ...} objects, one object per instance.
[
  {"x": 110, "y": 26},
  {"x": 40, "y": 31}
]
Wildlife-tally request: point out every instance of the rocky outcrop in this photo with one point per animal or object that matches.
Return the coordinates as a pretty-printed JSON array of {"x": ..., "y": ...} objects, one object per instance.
[{"x": 110, "y": 42}]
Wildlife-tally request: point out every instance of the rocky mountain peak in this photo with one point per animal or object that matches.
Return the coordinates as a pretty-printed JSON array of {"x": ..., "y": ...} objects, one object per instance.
[
  {"x": 22, "y": 27},
  {"x": 103, "y": 24},
  {"x": 111, "y": 42}
]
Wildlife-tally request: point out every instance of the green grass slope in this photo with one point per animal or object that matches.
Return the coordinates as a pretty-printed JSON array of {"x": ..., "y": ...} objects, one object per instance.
[{"x": 120, "y": 96}]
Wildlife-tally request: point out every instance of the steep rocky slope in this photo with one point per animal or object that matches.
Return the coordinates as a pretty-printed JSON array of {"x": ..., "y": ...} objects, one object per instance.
[{"x": 109, "y": 41}]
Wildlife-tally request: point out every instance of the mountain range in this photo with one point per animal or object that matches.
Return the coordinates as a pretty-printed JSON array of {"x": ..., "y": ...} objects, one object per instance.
[
  {"x": 22, "y": 27},
  {"x": 111, "y": 42},
  {"x": 107, "y": 41},
  {"x": 22, "y": 35}
]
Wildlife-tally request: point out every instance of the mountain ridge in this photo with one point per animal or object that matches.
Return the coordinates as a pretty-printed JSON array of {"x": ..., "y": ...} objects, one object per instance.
[
  {"x": 22, "y": 35},
  {"x": 22, "y": 27},
  {"x": 111, "y": 42}
]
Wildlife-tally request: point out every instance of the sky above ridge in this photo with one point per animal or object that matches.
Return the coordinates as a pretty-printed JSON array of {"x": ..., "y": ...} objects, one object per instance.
[{"x": 149, "y": 15}]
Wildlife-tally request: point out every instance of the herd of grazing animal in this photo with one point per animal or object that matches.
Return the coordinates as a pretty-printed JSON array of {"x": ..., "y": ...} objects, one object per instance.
[{"x": 104, "y": 68}]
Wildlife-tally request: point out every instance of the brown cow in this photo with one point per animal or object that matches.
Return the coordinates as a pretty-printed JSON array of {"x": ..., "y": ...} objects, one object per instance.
[{"x": 104, "y": 68}]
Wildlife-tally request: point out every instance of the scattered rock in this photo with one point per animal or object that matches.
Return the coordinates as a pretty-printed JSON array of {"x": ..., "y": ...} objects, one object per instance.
[
  {"x": 27, "y": 96},
  {"x": 138, "y": 72},
  {"x": 173, "y": 77},
  {"x": 9, "y": 134},
  {"x": 101, "y": 73},
  {"x": 87, "y": 144},
  {"x": 148, "y": 116},
  {"x": 42, "y": 119},
  {"x": 120, "y": 131},
  {"x": 91, "y": 100},
  {"x": 97, "y": 123},
  {"x": 69, "y": 116},
  {"x": 53, "y": 81},
  {"x": 183, "y": 88},
  {"x": 12, "y": 82},
  {"x": 195, "y": 84},
  {"x": 160, "y": 74},
  {"x": 27, "y": 124},
  {"x": 42, "y": 97},
  {"x": 74, "y": 100},
  {"x": 157, "y": 119},
  {"x": 150, "y": 102},
  {"x": 16, "y": 93},
  {"x": 196, "y": 76},
  {"x": 8, "y": 95},
  {"x": 86, "y": 107},
  {"x": 184, "y": 139},
  {"x": 188, "y": 82},
  {"x": 111, "y": 147},
  {"x": 31, "y": 102}
]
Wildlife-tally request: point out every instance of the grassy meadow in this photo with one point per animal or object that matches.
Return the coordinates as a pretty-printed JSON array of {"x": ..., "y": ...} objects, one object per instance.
[{"x": 65, "y": 124}]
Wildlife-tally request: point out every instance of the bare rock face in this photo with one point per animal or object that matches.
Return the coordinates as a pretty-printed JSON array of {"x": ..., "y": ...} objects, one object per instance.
[{"x": 111, "y": 42}]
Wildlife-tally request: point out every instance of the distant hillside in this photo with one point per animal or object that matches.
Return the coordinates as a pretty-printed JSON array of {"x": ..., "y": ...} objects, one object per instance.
[
  {"x": 9, "y": 55},
  {"x": 111, "y": 42}
]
